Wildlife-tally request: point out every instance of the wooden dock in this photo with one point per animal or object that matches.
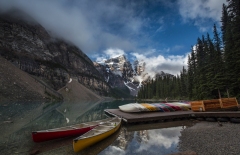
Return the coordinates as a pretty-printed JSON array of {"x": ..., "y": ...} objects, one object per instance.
[
  {"x": 164, "y": 116},
  {"x": 154, "y": 125}
]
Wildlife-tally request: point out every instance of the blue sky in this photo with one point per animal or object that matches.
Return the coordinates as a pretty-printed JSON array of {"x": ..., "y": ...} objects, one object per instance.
[{"x": 159, "y": 31}]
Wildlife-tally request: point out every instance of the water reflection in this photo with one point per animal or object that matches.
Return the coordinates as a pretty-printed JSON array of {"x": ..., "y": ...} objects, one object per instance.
[
  {"x": 18, "y": 119},
  {"x": 158, "y": 138},
  {"x": 97, "y": 112}
]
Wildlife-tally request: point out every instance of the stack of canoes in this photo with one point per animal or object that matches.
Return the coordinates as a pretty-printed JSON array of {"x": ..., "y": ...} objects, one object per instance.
[
  {"x": 73, "y": 130},
  {"x": 88, "y": 133},
  {"x": 162, "y": 107}
]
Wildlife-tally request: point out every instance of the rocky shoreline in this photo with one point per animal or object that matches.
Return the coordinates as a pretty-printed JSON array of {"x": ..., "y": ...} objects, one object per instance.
[{"x": 211, "y": 138}]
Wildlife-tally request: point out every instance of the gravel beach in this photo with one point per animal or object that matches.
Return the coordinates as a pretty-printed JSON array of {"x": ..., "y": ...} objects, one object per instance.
[{"x": 211, "y": 138}]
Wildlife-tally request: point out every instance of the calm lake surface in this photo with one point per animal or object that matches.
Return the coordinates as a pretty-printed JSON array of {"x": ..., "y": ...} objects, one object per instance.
[{"x": 19, "y": 119}]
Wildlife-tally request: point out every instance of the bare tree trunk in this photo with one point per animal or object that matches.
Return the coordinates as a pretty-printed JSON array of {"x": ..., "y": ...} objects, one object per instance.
[
  {"x": 227, "y": 93},
  {"x": 219, "y": 94}
]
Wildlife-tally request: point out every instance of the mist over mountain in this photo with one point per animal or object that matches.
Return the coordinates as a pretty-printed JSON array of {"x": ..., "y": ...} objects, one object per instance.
[
  {"x": 51, "y": 61},
  {"x": 33, "y": 49}
]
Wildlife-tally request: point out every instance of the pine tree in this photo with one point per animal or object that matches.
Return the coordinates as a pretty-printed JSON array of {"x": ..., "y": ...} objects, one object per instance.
[
  {"x": 224, "y": 21},
  {"x": 215, "y": 65},
  {"x": 157, "y": 88},
  {"x": 232, "y": 47},
  {"x": 178, "y": 87},
  {"x": 200, "y": 72},
  {"x": 218, "y": 79},
  {"x": 183, "y": 77},
  {"x": 191, "y": 74}
]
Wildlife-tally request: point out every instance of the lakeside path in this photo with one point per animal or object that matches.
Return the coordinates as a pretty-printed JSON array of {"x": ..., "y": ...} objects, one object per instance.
[{"x": 210, "y": 138}]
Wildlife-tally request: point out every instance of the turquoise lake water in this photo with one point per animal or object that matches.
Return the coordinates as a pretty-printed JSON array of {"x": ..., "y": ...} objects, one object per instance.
[{"x": 18, "y": 119}]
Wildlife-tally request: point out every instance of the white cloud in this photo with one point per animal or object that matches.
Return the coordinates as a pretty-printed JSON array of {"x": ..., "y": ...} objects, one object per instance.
[
  {"x": 90, "y": 25},
  {"x": 201, "y": 11},
  {"x": 160, "y": 29},
  {"x": 114, "y": 52},
  {"x": 108, "y": 53},
  {"x": 161, "y": 137},
  {"x": 97, "y": 25},
  {"x": 150, "y": 52},
  {"x": 113, "y": 150},
  {"x": 146, "y": 140},
  {"x": 101, "y": 59},
  {"x": 169, "y": 64}
]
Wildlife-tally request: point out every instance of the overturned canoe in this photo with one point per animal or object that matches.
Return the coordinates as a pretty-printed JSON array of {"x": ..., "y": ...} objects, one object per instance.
[
  {"x": 162, "y": 107},
  {"x": 97, "y": 134},
  {"x": 73, "y": 130},
  {"x": 133, "y": 107}
]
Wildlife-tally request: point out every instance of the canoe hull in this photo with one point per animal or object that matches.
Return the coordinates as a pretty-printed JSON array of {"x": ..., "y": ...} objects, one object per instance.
[
  {"x": 67, "y": 131},
  {"x": 130, "y": 108},
  {"x": 80, "y": 144},
  {"x": 45, "y": 136},
  {"x": 162, "y": 107},
  {"x": 133, "y": 107}
]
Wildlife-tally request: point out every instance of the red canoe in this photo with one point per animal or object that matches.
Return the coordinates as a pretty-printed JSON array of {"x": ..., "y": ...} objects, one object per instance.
[{"x": 73, "y": 130}]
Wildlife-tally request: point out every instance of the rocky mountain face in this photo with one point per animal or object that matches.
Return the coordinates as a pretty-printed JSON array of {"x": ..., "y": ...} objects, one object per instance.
[
  {"x": 113, "y": 79},
  {"x": 30, "y": 47},
  {"x": 119, "y": 72},
  {"x": 139, "y": 66},
  {"x": 119, "y": 65},
  {"x": 116, "y": 68}
]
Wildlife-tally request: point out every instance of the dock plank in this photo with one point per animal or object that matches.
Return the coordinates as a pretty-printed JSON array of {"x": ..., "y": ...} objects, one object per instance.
[
  {"x": 156, "y": 116},
  {"x": 147, "y": 116}
]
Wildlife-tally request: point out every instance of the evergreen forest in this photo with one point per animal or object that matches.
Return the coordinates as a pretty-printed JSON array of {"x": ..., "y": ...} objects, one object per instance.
[{"x": 213, "y": 69}]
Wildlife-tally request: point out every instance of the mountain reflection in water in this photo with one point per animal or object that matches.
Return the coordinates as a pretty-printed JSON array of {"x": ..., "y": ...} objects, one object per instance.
[
  {"x": 18, "y": 119},
  {"x": 151, "y": 139}
]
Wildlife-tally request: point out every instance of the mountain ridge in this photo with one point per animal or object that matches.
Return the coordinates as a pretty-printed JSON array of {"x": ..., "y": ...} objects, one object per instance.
[
  {"x": 53, "y": 61},
  {"x": 121, "y": 71}
]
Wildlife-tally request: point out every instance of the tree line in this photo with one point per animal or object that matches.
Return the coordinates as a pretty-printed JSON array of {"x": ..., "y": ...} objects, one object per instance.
[{"x": 213, "y": 69}]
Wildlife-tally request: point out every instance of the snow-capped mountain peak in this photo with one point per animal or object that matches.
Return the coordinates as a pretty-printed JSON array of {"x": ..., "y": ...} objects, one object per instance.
[{"x": 118, "y": 72}]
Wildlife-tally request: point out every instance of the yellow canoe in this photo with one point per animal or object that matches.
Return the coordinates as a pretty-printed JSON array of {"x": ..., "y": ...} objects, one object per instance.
[
  {"x": 149, "y": 107},
  {"x": 97, "y": 134}
]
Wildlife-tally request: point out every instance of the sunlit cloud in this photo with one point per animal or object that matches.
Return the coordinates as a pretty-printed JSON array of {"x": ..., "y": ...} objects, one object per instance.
[
  {"x": 100, "y": 59},
  {"x": 169, "y": 64},
  {"x": 114, "y": 52},
  {"x": 107, "y": 54}
]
